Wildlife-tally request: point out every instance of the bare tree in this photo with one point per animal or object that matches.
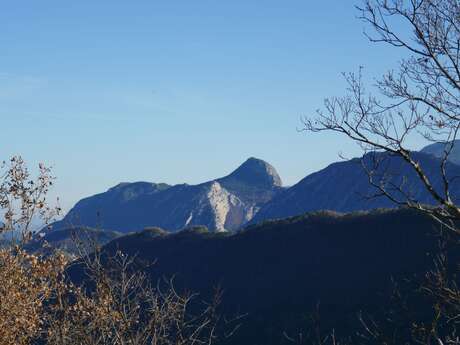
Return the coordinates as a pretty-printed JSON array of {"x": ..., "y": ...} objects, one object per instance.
[{"x": 420, "y": 98}]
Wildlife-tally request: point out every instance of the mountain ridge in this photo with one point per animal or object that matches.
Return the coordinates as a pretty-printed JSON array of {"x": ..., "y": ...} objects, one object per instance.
[
  {"x": 253, "y": 193},
  {"x": 344, "y": 186},
  {"x": 438, "y": 150},
  {"x": 222, "y": 204}
]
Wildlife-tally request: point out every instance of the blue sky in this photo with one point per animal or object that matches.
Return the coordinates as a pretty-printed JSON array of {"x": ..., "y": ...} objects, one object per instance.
[{"x": 174, "y": 91}]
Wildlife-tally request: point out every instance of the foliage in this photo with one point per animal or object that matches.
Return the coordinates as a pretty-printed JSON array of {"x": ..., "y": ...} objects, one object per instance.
[{"x": 40, "y": 304}]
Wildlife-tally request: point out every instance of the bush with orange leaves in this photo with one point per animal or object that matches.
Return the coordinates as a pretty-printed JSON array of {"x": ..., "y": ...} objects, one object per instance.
[
  {"x": 26, "y": 283},
  {"x": 39, "y": 304}
]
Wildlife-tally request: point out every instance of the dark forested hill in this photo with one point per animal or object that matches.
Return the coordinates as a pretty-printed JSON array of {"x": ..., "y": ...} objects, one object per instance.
[{"x": 277, "y": 272}]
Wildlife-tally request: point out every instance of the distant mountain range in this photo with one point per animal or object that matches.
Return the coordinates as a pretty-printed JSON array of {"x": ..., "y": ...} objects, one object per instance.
[
  {"x": 254, "y": 193},
  {"x": 222, "y": 204}
]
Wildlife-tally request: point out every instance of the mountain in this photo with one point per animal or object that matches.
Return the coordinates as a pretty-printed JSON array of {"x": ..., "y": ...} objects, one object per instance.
[
  {"x": 222, "y": 204},
  {"x": 437, "y": 150},
  {"x": 277, "y": 272},
  {"x": 72, "y": 241},
  {"x": 344, "y": 186}
]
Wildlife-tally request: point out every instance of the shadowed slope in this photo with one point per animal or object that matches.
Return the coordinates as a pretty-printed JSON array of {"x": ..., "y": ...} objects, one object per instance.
[{"x": 278, "y": 271}]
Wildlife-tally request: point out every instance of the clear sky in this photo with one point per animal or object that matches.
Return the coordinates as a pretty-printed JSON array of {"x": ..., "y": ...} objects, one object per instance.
[{"x": 174, "y": 91}]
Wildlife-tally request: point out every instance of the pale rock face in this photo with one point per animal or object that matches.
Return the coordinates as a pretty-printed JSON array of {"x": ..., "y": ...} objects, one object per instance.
[
  {"x": 251, "y": 212},
  {"x": 189, "y": 220},
  {"x": 222, "y": 203}
]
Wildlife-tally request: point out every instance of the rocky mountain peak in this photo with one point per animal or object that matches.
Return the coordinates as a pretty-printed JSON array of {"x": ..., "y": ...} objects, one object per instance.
[
  {"x": 255, "y": 172},
  {"x": 222, "y": 204}
]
